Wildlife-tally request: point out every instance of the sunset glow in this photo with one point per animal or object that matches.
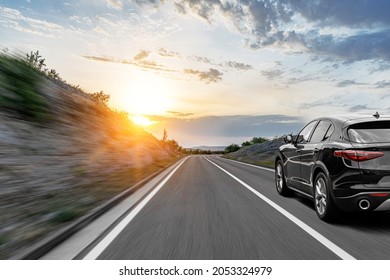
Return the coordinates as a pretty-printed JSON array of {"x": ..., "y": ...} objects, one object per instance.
[
  {"x": 142, "y": 121},
  {"x": 276, "y": 61},
  {"x": 144, "y": 94}
]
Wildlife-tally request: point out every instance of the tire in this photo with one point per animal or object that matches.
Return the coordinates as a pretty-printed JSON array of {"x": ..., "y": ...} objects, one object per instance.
[
  {"x": 280, "y": 180},
  {"x": 323, "y": 203}
]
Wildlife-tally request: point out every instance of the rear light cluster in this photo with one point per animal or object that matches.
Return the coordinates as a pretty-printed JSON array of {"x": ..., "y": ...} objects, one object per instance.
[
  {"x": 357, "y": 155},
  {"x": 379, "y": 194}
]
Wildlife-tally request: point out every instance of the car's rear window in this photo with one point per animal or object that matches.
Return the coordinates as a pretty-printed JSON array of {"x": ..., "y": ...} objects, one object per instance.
[{"x": 370, "y": 132}]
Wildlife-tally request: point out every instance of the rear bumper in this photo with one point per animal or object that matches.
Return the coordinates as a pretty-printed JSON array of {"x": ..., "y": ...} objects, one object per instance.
[{"x": 365, "y": 201}]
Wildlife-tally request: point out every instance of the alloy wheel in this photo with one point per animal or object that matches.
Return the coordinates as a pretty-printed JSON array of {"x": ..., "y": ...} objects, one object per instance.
[
  {"x": 320, "y": 196},
  {"x": 279, "y": 177}
]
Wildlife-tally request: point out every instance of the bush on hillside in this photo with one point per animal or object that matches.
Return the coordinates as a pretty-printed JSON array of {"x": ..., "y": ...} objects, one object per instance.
[
  {"x": 20, "y": 88},
  {"x": 232, "y": 148}
]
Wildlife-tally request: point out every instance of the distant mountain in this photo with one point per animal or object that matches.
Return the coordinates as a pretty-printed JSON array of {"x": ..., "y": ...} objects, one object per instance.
[
  {"x": 224, "y": 130},
  {"x": 209, "y": 148}
]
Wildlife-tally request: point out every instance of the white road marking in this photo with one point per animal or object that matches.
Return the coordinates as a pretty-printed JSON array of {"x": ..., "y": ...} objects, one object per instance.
[
  {"x": 252, "y": 165},
  {"x": 103, "y": 244},
  {"x": 322, "y": 239}
]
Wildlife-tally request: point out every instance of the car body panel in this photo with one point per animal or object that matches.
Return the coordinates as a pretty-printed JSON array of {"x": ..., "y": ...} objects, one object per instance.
[{"x": 351, "y": 181}]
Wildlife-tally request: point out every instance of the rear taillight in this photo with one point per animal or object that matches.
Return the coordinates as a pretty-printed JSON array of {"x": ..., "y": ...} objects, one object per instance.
[
  {"x": 379, "y": 194},
  {"x": 357, "y": 155}
]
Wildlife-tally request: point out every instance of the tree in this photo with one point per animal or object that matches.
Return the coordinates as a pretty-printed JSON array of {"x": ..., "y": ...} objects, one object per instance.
[
  {"x": 165, "y": 136},
  {"x": 173, "y": 145},
  {"x": 53, "y": 74},
  {"x": 232, "y": 148},
  {"x": 101, "y": 97},
  {"x": 258, "y": 140},
  {"x": 36, "y": 60},
  {"x": 246, "y": 143}
]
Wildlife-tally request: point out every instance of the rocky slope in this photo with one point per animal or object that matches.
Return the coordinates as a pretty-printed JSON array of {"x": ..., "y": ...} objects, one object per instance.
[
  {"x": 260, "y": 154},
  {"x": 57, "y": 167}
]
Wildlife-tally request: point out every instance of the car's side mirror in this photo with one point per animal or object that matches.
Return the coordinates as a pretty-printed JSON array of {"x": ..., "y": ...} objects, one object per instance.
[
  {"x": 288, "y": 139},
  {"x": 299, "y": 139}
]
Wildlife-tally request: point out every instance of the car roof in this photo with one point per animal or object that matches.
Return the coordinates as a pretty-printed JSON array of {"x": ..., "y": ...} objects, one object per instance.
[{"x": 347, "y": 120}]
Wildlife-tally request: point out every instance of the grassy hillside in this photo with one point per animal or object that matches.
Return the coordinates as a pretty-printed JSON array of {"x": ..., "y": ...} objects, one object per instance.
[{"x": 63, "y": 152}]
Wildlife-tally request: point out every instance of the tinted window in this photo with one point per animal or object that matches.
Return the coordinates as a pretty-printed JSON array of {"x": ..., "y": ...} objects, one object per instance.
[
  {"x": 370, "y": 132},
  {"x": 320, "y": 132},
  {"x": 329, "y": 132},
  {"x": 306, "y": 131}
]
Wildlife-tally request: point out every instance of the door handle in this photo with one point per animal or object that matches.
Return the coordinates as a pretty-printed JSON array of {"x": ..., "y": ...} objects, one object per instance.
[
  {"x": 298, "y": 151},
  {"x": 316, "y": 150}
]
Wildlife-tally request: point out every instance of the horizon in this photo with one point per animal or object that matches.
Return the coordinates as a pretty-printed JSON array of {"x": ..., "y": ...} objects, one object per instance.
[{"x": 215, "y": 65}]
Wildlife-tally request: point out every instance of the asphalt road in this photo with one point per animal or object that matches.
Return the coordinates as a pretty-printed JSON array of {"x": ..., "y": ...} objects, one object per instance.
[{"x": 214, "y": 208}]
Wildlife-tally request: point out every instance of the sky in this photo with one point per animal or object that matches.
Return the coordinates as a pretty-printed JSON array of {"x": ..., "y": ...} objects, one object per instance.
[{"x": 214, "y": 72}]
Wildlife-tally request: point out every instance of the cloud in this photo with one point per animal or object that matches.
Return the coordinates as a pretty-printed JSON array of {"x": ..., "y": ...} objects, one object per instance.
[
  {"x": 383, "y": 84},
  {"x": 141, "y": 55},
  {"x": 379, "y": 66},
  {"x": 164, "y": 53},
  {"x": 354, "y": 102},
  {"x": 238, "y": 65},
  {"x": 319, "y": 103},
  {"x": 351, "y": 30},
  {"x": 229, "y": 64},
  {"x": 137, "y": 62},
  {"x": 272, "y": 74},
  {"x": 13, "y": 18},
  {"x": 375, "y": 45},
  {"x": 180, "y": 8},
  {"x": 347, "y": 83},
  {"x": 115, "y": 4},
  {"x": 358, "y": 108},
  {"x": 201, "y": 59},
  {"x": 141, "y": 60},
  {"x": 148, "y": 2},
  {"x": 100, "y": 58},
  {"x": 353, "y": 13},
  {"x": 212, "y": 76},
  {"x": 179, "y": 114}
]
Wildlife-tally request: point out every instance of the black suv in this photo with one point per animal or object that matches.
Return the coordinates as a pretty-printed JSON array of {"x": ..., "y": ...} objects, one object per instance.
[{"x": 342, "y": 163}]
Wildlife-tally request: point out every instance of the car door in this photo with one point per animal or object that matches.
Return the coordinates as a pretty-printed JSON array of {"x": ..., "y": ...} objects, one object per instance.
[
  {"x": 292, "y": 167},
  {"x": 293, "y": 163},
  {"x": 311, "y": 151}
]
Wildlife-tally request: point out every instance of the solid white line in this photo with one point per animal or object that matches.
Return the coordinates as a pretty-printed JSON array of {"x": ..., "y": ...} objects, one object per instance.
[
  {"x": 322, "y": 239},
  {"x": 103, "y": 244},
  {"x": 251, "y": 165}
]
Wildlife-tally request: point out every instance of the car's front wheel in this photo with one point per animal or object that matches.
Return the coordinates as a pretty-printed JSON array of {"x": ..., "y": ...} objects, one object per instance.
[
  {"x": 323, "y": 202},
  {"x": 280, "y": 180}
]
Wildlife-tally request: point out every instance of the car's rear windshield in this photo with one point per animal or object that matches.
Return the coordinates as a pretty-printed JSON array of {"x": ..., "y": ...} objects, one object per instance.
[{"x": 370, "y": 132}]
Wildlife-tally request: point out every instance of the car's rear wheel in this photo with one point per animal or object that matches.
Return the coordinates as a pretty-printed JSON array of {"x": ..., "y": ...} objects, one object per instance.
[
  {"x": 280, "y": 180},
  {"x": 323, "y": 202}
]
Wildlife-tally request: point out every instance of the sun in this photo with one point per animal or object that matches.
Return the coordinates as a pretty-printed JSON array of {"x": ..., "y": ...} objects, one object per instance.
[
  {"x": 142, "y": 120},
  {"x": 147, "y": 95}
]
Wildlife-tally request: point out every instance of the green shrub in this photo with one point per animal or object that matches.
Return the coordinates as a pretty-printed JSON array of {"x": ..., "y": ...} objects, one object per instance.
[
  {"x": 246, "y": 143},
  {"x": 232, "y": 148},
  {"x": 258, "y": 140},
  {"x": 20, "y": 88}
]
